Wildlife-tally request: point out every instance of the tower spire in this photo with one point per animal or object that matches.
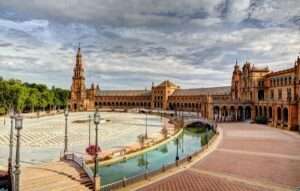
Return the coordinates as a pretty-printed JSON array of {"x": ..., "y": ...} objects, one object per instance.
[{"x": 79, "y": 50}]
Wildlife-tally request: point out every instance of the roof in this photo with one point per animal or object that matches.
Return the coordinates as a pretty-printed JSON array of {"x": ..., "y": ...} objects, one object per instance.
[
  {"x": 167, "y": 83},
  {"x": 203, "y": 91},
  {"x": 123, "y": 93},
  {"x": 280, "y": 72},
  {"x": 260, "y": 69}
]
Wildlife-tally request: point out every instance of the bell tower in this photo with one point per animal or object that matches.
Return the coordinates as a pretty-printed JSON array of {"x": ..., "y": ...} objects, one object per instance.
[
  {"x": 78, "y": 91},
  {"x": 236, "y": 83}
]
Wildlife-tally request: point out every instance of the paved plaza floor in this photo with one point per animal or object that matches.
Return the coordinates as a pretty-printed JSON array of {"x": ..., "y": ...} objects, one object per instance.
[
  {"x": 249, "y": 157},
  {"x": 42, "y": 139}
]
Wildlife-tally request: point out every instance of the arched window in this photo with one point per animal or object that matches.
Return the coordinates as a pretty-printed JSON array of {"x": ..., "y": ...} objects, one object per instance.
[{"x": 279, "y": 114}]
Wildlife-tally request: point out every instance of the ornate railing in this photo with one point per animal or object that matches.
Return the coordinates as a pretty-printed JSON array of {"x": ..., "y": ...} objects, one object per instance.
[{"x": 81, "y": 162}]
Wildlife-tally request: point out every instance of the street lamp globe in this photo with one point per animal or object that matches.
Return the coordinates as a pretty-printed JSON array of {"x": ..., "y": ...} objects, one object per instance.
[
  {"x": 97, "y": 118},
  {"x": 66, "y": 112},
  {"x": 18, "y": 122},
  {"x": 12, "y": 114}
]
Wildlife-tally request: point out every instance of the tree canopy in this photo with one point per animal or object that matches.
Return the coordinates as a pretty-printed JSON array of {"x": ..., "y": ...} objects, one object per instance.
[{"x": 29, "y": 97}]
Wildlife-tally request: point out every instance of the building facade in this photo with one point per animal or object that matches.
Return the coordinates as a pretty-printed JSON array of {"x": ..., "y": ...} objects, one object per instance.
[{"x": 254, "y": 93}]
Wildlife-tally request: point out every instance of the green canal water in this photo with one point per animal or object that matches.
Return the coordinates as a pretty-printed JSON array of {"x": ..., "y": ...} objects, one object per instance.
[{"x": 188, "y": 143}]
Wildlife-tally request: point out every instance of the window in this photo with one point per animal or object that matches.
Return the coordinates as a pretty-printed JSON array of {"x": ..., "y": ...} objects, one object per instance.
[
  {"x": 271, "y": 82},
  {"x": 272, "y": 94},
  {"x": 289, "y": 94},
  {"x": 285, "y": 81},
  {"x": 290, "y": 80},
  {"x": 279, "y": 94}
]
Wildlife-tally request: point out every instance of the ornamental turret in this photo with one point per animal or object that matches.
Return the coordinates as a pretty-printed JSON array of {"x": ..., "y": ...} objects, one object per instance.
[
  {"x": 78, "y": 90},
  {"x": 236, "y": 82}
]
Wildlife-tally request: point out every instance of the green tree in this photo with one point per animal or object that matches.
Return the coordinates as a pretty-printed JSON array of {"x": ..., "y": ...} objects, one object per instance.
[{"x": 29, "y": 96}]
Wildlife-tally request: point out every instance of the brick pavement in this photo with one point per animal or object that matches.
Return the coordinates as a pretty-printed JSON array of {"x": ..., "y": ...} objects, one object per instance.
[{"x": 249, "y": 157}]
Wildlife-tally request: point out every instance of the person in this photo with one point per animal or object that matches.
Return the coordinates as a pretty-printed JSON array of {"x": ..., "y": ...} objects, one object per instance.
[{"x": 189, "y": 158}]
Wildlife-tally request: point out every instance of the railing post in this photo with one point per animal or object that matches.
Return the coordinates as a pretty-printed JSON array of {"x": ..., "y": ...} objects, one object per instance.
[
  {"x": 163, "y": 168},
  {"x": 124, "y": 181},
  {"x": 97, "y": 183},
  {"x": 146, "y": 175}
]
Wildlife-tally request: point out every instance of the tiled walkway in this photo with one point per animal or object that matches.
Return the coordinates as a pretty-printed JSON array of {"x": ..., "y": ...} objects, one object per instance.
[{"x": 249, "y": 157}]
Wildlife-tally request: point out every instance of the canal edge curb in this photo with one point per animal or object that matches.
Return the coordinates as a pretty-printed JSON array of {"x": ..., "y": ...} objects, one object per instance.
[{"x": 209, "y": 148}]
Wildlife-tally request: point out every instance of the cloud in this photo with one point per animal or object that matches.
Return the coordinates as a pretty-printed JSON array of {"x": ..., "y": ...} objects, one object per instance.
[{"x": 128, "y": 44}]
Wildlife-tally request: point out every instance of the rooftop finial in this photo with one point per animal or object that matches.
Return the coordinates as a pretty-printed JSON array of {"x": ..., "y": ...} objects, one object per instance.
[{"x": 78, "y": 50}]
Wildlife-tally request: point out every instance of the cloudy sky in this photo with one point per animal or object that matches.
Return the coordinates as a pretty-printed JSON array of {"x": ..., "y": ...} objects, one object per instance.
[{"x": 130, "y": 43}]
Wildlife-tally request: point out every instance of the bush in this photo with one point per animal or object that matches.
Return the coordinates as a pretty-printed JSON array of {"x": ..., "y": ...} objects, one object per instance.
[
  {"x": 2, "y": 110},
  {"x": 261, "y": 120}
]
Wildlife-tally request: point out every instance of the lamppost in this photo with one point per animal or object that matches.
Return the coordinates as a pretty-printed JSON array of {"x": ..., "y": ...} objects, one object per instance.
[
  {"x": 97, "y": 122},
  {"x": 146, "y": 128},
  {"x": 18, "y": 126},
  {"x": 90, "y": 120},
  {"x": 182, "y": 141},
  {"x": 177, "y": 154},
  {"x": 11, "y": 142},
  {"x": 66, "y": 113}
]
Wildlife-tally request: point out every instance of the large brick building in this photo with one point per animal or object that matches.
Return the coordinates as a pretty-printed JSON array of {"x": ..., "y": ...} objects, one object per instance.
[{"x": 254, "y": 92}]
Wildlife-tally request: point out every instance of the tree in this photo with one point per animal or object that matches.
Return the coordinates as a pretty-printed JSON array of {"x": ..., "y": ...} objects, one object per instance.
[
  {"x": 25, "y": 96},
  {"x": 32, "y": 99}
]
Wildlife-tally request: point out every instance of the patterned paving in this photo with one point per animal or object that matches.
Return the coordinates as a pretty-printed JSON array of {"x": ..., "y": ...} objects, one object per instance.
[
  {"x": 192, "y": 181},
  {"x": 42, "y": 139},
  {"x": 250, "y": 157}
]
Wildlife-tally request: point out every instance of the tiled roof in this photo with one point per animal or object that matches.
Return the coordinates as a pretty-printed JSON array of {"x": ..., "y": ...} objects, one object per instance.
[
  {"x": 123, "y": 93},
  {"x": 203, "y": 91}
]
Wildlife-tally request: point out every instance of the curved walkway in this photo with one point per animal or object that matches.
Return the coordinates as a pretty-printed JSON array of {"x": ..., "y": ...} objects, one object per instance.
[{"x": 249, "y": 157}]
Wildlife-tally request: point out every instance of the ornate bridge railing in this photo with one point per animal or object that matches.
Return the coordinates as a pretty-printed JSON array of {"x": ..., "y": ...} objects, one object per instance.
[{"x": 79, "y": 160}]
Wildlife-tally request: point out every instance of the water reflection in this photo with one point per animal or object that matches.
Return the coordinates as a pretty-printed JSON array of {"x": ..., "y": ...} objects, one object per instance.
[{"x": 188, "y": 143}]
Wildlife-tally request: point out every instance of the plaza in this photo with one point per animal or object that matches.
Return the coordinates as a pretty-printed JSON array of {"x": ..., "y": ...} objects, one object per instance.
[
  {"x": 244, "y": 156},
  {"x": 43, "y": 138}
]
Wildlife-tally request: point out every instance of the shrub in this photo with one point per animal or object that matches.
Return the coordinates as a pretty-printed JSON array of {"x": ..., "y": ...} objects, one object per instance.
[{"x": 261, "y": 120}]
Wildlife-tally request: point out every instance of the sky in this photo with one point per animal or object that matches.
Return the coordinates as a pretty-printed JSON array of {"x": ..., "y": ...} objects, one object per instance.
[{"x": 128, "y": 44}]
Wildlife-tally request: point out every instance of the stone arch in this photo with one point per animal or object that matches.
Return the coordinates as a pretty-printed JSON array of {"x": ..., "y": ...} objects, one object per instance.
[
  {"x": 256, "y": 111},
  {"x": 216, "y": 112},
  {"x": 278, "y": 114},
  {"x": 232, "y": 113},
  {"x": 285, "y": 115},
  {"x": 248, "y": 112},
  {"x": 270, "y": 113},
  {"x": 265, "y": 111},
  {"x": 240, "y": 113},
  {"x": 224, "y": 112},
  {"x": 260, "y": 111}
]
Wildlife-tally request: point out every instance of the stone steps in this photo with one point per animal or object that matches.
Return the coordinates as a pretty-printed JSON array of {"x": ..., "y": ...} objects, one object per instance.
[{"x": 62, "y": 175}]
